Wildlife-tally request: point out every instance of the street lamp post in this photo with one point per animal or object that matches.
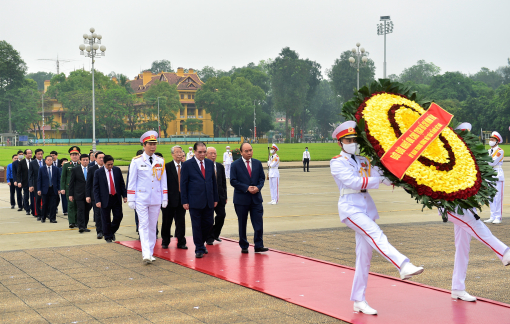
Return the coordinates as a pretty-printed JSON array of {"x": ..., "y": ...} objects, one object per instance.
[
  {"x": 383, "y": 29},
  {"x": 42, "y": 103},
  {"x": 359, "y": 55},
  {"x": 159, "y": 126},
  {"x": 92, "y": 41},
  {"x": 254, "y": 119}
]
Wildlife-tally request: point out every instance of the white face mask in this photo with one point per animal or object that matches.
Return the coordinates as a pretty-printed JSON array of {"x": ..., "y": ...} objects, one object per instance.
[
  {"x": 20, "y": 157},
  {"x": 492, "y": 143},
  {"x": 228, "y": 150},
  {"x": 352, "y": 148},
  {"x": 272, "y": 151}
]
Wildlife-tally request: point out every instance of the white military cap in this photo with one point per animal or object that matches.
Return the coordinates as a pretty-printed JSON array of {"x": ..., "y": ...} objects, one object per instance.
[
  {"x": 464, "y": 126},
  {"x": 150, "y": 136},
  {"x": 227, "y": 146},
  {"x": 274, "y": 147},
  {"x": 497, "y": 136},
  {"x": 346, "y": 129}
]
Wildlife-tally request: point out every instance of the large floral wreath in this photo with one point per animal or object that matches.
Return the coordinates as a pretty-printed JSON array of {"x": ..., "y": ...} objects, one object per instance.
[{"x": 453, "y": 171}]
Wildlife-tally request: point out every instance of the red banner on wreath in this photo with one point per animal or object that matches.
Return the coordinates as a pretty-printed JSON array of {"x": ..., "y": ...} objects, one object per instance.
[{"x": 415, "y": 140}]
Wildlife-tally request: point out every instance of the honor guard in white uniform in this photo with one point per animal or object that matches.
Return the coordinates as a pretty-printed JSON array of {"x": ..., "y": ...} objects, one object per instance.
[
  {"x": 147, "y": 192},
  {"x": 190, "y": 153},
  {"x": 467, "y": 226},
  {"x": 227, "y": 161},
  {"x": 274, "y": 175},
  {"x": 497, "y": 154},
  {"x": 354, "y": 176}
]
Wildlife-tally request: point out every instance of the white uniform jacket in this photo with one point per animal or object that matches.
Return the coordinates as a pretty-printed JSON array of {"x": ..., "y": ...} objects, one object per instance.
[
  {"x": 189, "y": 155},
  {"x": 227, "y": 158},
  {"x": 273, "y": 163},
  {"x": 147, "y": 183},
  {"x": 497, "y": 161},
  {"x": 352, "y": 176},
  {"x": 306, "y": 155}
]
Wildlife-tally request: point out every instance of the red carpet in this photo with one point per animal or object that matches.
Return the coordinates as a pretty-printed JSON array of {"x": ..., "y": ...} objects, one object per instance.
[{"x": 325, "y": 287}]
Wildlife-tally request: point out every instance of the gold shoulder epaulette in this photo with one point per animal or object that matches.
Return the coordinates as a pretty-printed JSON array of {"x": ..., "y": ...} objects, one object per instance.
[
  {"x": 65, "y": 162},
  {"x": 335, "y": 157},
  {"x": 136, "y": 157}
]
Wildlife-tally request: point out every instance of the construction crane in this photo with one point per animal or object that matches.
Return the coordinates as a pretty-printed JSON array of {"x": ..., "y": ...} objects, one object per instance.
[{"x": 57, "y": 60}]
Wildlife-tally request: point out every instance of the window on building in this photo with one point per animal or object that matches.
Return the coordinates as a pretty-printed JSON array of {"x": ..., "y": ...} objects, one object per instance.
[
  {"x": 182, "y": 96},
  {"x": 192, "y": 96},
  {"x": 181, "y": 113},
  {"x": 200, "y": 113},
  {"x": 182, "y": 127},
  {"x": 64, "y": 135},
  {"x": 64, "y": 119},
  {"x": 191, "y": 111}
]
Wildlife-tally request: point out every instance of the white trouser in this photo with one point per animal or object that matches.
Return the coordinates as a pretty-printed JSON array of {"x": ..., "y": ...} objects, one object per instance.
[
  {"x": 227, "y": 171},
  {"x": 147, "y": 220},
  {"x": 369, "y": 236},
  {"x": 497, "y": 204},
  {"x": 465, "y": 227},
  {"x": 274, "y": 184}
]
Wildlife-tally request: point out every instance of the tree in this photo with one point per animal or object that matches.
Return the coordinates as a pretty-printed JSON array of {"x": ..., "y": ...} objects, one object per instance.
[
  {"x": 420, "y": 73},
  {"x": 169, "y": 104},
  {"x": 111, "y": 110},
  {"x": 230, "y": 102},
  {"x": 325, "y": 108},
  {"x": 343, "y": 75},
  {"x": 504, "y": 71},
  {"x": 292, "y": 80},
  {"x": 193, "y": 125},
  {"x": 161, "y": 66},
  {"x": 40, "y": 77},
  {"x": 12, "y": 68},
  {"x": 451, "y": 85},
  {"x": 491, "y": 78}
]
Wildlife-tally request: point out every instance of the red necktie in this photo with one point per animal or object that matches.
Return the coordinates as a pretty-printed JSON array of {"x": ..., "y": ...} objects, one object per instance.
[
  {"x": 112, "y": 186},
  {"x": 248, "y": 167},
  {"x": 202, "y": 168}
]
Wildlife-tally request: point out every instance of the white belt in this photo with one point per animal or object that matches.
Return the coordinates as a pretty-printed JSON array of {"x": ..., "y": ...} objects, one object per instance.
[{"x": 350, "y": 191}]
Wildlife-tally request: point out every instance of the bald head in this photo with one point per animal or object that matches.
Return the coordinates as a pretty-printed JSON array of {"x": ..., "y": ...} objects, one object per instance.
[{"x": 211, "y": 154}]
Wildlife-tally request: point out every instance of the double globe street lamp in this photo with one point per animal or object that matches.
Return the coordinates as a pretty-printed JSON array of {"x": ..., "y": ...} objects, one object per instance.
[
  {"x": 91, "y": 46},
  {"x": 359, "y": 57}
]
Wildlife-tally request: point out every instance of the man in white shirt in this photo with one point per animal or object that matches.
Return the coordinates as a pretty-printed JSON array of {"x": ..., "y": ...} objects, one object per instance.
[
  {"x": 190, "y": 153},
  {"x": 497, "y": 155},
  {"x": 306, "y": 160},
  {"x": 227, "y": 161}
]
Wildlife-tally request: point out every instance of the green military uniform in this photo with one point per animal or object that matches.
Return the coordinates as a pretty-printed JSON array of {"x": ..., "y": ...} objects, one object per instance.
[{"x": 67, "y": 167}]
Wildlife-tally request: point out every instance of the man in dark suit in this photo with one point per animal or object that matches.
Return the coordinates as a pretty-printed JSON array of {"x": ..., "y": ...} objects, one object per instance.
[
  {"x": 15, "y": 165},
  {"x": 48, "y": 185},
  {"x": 63, "y": 197},
  {"x": 174, "y": 210},
  {"x": 33, "y": 173},
  {"x": 90, "y": 193},
  {"x": 219, "y": 220},
  {"x": 109, "y": 189},
  {"x": 58, "y": 163},
  {"x": 92, "y": 158},
  {"x": 22, "y": 177},
  {"x": 247, "y": 178},
  {"x": 77, "y": 193},
  {"x": 199, "y": 195}
]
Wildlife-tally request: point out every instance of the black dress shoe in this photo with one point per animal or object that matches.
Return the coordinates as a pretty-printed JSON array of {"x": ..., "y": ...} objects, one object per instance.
[
  {"x": 28, "y": 213},
  {"x": 99, "y": 236},
  {"x": 65, "y": 214},
  {"x": 53, "y": 221},
  {"x": 86, "y": 230},
  {"x": 218, "y": 239},
  {"x": 81, "y": 230},
  {"x": 12, "y": 207},
  {"x": 164, "y": 246},
  {"x": 210, "y": 241},
  {"x": 108, "y": 241},
  {"x": 71, "y": 225},
  {"x": 38, "y": 218},
  {"x": 183, "y": 246},
  {"x": 262, "y": 249},
  {"x": 20, "y": 209},
  {"x": 244, "y": 250},
  {"x": 199, "y": 255},
  {"x": 43, "y": 220}
]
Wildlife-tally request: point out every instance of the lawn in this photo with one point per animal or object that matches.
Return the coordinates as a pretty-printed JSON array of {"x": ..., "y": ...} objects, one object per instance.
[{"x": 124, "y": 153}]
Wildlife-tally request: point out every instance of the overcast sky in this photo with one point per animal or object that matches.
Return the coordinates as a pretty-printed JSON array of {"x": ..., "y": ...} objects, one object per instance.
[{"x": 455, "y": 35}]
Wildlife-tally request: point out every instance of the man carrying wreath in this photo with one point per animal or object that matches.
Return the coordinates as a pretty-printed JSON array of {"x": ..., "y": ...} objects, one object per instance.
[{"x": 354, "y": 176}]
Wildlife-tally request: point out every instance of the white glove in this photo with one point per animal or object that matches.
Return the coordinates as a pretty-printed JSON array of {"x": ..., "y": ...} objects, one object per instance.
[
  {"x": 164, "y": 204},
  {"x": 132, "y": 204},
  {"x": 386, "y": 181}
]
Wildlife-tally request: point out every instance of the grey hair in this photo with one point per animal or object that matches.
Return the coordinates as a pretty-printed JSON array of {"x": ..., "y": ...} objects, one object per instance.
[
  {"x": 210, "y": 147},
  {"x": 174, "y": 147}
]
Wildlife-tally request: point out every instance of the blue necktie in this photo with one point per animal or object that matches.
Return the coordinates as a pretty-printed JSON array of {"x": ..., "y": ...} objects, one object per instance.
[
  {"x": 49, "y": 174},
  {"x": 40, "y": 164},
  {"x": 85, "y": 172}
]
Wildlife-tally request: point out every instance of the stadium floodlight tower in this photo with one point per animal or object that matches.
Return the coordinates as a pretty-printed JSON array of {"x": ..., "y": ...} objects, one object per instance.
[{"x": 386, "y": 27}]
